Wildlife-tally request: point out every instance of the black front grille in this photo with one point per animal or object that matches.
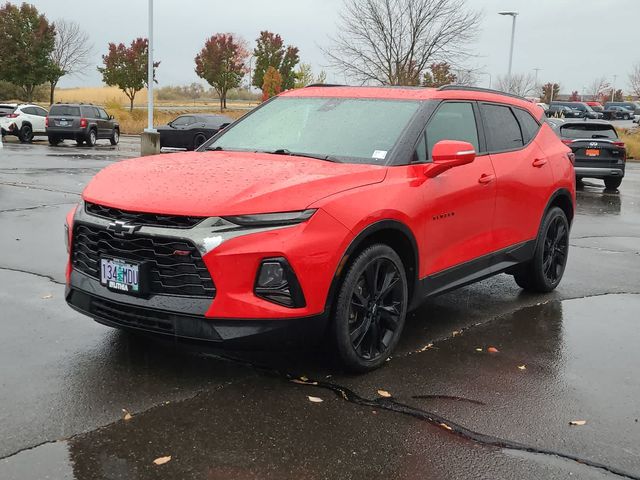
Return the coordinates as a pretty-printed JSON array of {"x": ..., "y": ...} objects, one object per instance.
[
  {"x": 139, "y": 218},
  {"x": 175, "y": 265}
]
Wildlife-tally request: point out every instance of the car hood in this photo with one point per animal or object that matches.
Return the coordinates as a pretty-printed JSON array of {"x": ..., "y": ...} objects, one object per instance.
[{"x": 224, "y": 183}]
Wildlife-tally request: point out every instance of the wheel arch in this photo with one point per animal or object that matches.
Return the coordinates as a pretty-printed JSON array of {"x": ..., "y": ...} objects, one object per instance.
[
  {"x": 561, "y": 198},
  {"x": 390, "y": 232}
]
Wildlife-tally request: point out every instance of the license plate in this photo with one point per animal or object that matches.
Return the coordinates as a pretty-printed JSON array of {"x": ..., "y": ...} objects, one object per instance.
[
  {"x": 63, "y": 123},
  {"x": 120, "y": 275},
  {"x": 592, "y": 152}
]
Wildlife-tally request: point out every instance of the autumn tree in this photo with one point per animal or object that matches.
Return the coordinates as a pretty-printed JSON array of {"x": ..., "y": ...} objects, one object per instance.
[
  {"x": 438, "y": 74},
  {"x": 597, "y": 88},
  {"x": 221, "y": 62},
  {"x": 574, "y": 97},
  {"x": 272, "y": 83},
  {"x": 126, "y": 67},
  {"x": 271, "y": 52},
  {"x": 618, "y": 96},
  {"x": 71, "y": 53},
  {"x": 304, "y": 76},
  {"x": 550, "y": 92},
  {"x": 387, "y": 41},
  {"x": 26, "y": 41}
]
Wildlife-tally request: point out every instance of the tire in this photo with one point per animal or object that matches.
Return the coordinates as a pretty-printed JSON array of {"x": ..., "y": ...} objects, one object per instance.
[
  {"x": 367, "y": 321},
  {"x": 92, "y": 138},
  {"x": 26, "y": 134},
  {"x": 115, "y": 137},
  {"x": 625, "y": 117},
  {"x": 53, "y": 140},
  {"x": 542, "y": 274},
  {"x": 198, "y": 140},
  {"x": 612, "y": 183}
]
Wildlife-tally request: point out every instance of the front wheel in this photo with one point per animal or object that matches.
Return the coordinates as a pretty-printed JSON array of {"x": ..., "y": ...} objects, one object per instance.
[
  {"x": 626, "y": 117},
  {"x": 612, "y": 183},
  {"x": 543, "y": 272},
  {"x": 371, "y": 309}
]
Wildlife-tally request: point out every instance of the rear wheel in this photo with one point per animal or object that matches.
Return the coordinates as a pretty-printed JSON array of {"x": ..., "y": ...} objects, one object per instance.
[
  {"x": 115, "y": 137},
  {"x": 198, "y": 140},
  {"x": 371, "y": 309},
  {"x": 53, "y": 140},
  {"x": 612, "y": 183},
  {"x": 92, "y": 138},
  {"x": 544, "y": 271},
  {"x": 26, "y": 133}
]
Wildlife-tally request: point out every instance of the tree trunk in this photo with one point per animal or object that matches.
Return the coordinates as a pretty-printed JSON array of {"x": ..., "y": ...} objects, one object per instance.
[
  {"x": 131, "y": 98},
  {"x": 52, "y": 91},
  {"x": 221, "y": 103}
]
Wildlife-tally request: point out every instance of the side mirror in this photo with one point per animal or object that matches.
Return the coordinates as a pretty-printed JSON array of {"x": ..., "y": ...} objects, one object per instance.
[
  {"x": 223, "y": 126},
  {"x": 448, "y": 154},
  {"x": 110, "y": 117}
]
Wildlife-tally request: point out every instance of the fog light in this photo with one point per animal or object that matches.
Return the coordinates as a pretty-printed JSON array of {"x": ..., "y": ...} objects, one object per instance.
[{"x": 277, "y": 283}]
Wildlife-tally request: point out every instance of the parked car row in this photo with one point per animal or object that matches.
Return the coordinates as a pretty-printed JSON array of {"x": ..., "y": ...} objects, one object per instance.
[
  {"x": 86, "y": 124},
  {"x": 594, "y": 110}
]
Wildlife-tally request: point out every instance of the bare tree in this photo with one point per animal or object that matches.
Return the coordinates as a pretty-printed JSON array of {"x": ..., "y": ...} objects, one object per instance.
[
  {"x": 598, "y": 87},
  {"x": 392, "y": 42},
  {"x": 518, "y": 84},
  {"x": 634, "y": 79},
  {"x": 70, "y": 54}
]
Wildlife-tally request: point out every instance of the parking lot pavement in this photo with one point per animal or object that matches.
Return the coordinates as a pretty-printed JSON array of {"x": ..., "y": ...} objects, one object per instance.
[{"x": 456, "y": 411}]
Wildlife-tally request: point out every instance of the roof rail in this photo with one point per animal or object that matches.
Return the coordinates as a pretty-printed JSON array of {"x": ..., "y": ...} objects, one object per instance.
[
  {"x": 325, "y": 85},
  {"x": 480, "y": 89}
]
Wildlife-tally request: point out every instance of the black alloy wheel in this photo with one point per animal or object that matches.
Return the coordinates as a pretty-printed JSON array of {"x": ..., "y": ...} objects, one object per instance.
[
  {"x": 543, "y": 272},
  {"x": 198, "y": 140},
  {"x": 371, "y": 309},
  {"x": 26, "y": 134}
]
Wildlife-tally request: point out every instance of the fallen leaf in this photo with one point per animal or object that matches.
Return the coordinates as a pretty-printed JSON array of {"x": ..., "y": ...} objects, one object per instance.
[
  {"x": 492, "y": 350},
  {"x": 426, "y": 347},
  {"x": 478, "y": 349},
  {"x": 302, "y": 382},
  {"x": 47, "y": 296},
  {"x": 444, "y": 425},
  {"x": 384, "y": 393},
  {"x": 304, "y": 378},
  {"x": 522, "y": 367},
  {"x": 455, "y": 332},
  {"x": 577, "y": 422},
  {"x": 127, "y": 415},
  {"x": 315, "y": 399},
  {"x": 162, "y": 460}
]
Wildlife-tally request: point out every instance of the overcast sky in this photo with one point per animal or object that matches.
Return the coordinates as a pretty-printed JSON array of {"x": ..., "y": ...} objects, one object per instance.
[{"x": 571, "y": 41}]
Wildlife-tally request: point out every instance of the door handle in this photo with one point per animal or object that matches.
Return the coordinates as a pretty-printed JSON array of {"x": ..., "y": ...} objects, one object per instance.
[
  {"x": 538, "y": 162},
  {"x": 486, "y": 178}
]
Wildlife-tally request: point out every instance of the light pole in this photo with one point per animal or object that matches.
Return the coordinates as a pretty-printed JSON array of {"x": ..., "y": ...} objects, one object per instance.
[
  {"x": 513, "y": 15},
  {"x": 150, "y": 73},
  {"x": 613, "y": 87}
]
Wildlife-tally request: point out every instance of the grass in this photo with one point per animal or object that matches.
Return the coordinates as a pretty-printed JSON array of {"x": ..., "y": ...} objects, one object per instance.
[{"x": 631, "y": 138}]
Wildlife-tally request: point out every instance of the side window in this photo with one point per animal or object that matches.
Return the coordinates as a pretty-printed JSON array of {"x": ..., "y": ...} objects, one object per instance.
[
  {"x": 452, "y": 121},
  {"x": 420, "y": 153},
  {"x": 501, "y": 127},
  {"x": 103, "y": 114},
  {"x": 41, "y": 112},
  {"x": 527, "y": 123},
  {"x": 28, "y": 110}
]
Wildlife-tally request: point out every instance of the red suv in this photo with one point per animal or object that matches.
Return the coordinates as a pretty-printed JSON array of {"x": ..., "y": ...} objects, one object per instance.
[{"x": 326, "y": 213}]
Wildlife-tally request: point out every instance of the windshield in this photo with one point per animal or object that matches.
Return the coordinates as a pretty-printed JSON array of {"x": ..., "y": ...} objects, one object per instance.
[
  {"x": 588, "y": 131},
  {"x": 64, "y": 110},
  {"x": 339, "y": 129}
]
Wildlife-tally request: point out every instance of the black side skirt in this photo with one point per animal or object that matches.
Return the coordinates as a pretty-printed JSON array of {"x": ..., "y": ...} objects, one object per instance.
[{"x": 473, "y": 271}]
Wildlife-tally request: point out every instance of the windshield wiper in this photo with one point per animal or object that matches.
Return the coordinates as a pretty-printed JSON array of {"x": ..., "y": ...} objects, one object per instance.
[{"x": 285, "y": 151}]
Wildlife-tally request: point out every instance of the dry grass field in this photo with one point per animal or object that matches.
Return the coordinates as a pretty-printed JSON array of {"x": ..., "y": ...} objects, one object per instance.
[{"x": 631, "y": 138}]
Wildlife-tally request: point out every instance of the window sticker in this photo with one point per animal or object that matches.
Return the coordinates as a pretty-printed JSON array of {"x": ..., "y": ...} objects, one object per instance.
[{"x": 379, "y": 154}]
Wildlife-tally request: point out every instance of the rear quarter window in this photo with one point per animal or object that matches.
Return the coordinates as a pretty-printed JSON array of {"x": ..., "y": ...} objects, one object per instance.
[
  {"x": 64, "y": 111},
  {"x": 527, "y": 123}
]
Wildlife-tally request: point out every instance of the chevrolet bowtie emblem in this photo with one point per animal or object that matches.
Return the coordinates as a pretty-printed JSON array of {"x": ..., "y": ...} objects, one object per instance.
[{"x": 121, "y": 228}]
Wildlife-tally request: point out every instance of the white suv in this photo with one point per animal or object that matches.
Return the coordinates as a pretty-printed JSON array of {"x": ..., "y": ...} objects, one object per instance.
[{"x": 24, "y": 121}]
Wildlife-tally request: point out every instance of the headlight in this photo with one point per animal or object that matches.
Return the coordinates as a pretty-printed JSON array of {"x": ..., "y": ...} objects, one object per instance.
[{"x": 271, "y": 219}]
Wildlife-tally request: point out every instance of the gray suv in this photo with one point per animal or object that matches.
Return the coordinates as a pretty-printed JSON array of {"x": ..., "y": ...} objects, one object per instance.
[{"x": 82, "y": 123}]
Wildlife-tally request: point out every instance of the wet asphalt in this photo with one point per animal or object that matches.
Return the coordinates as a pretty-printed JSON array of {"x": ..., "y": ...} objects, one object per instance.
[{"x": 456, "y": 410}]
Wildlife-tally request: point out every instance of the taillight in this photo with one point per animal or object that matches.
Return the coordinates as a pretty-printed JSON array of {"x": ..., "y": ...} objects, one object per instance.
[
  {"x": 12, "y": 115},
  {"x": 572, "y": 158},
  {"x": 46, "y": 121},
  {"x": 83, "y": 123},
  {"x": 567, "y": 141},
  {"x": 619, "y": 144}
]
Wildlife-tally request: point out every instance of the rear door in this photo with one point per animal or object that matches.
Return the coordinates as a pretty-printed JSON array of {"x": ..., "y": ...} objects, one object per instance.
[
  {"x": 104, "y": 124},
  {"x": 524, "y": 175},
  {"x": 459, "y": 202},
  {"x": 39, "y": 119}
]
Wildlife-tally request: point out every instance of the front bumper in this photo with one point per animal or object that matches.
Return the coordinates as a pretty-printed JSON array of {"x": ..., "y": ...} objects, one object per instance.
[{"x": 232, "y": 334}]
